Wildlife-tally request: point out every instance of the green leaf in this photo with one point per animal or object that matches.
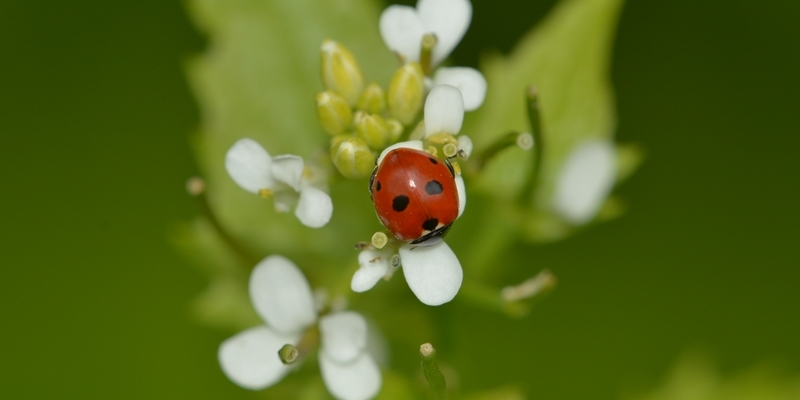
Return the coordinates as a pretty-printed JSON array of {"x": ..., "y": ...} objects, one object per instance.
[
  {"x": 567, "y": 59},
  {"x": 258, "y": 79}
]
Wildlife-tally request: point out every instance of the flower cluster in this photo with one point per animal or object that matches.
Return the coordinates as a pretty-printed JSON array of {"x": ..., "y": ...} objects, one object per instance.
[
  {"x": 282, "y": 297},
  {"x": 421, "y": 108}
]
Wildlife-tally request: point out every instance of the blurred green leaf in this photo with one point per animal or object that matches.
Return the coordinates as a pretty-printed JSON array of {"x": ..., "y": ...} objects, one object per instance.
[
  {"x": 567, "y": 59},
  {"x": 258, "y": 79}
]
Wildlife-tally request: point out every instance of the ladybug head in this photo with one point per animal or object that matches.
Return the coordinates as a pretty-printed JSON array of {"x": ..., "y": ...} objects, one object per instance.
[{"x": 433, "y": 237}]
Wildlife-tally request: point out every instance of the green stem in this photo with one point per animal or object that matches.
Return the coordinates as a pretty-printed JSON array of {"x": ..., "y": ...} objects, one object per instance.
[
  {"x": 478, "y": 162},
  {"x": 205, "y": 208},
  {"x": 426, "y": 53},
  {"x": 432, "y": 374},
  {"x": 535, "y": 120}
]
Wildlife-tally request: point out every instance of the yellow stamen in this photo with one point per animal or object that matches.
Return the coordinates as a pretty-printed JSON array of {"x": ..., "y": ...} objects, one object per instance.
[
  {"x": 265, "y": 193},
  {"x": 456, "y": 167},
  {"x": 442, "y": 138}
]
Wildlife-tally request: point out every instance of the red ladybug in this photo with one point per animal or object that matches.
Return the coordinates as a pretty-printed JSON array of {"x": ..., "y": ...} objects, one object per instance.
[{"x": 415, "y": 195}]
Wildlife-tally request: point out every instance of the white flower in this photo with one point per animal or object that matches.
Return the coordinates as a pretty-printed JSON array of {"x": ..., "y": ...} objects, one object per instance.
[
  {"x": 403, "y": 27},
  {"x": 282, "y": 297},
  {"x": 252, "y": 168},
  {"x": 585, "y": 181},
  {"x": 433, "y": 272},
  {"x": 469, "y": 81},
  {"x": 444, "y": 113}
]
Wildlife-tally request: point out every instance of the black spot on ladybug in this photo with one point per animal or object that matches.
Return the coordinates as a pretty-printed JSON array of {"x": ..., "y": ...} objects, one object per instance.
[
  {"x": 430, "y": 224},
  {"x": 378, "y": 187},
  {"x": 433, "y": 160},
  {"x": 433, "y": 187},
  {"x": 400, "y": 203}
]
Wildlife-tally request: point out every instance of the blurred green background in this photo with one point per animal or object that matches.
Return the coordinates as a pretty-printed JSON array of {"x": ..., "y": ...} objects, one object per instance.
[{"x": 94, "y": 117}]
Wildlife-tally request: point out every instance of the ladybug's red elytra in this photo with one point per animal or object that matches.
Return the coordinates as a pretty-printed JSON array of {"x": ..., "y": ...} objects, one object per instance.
[{"x": 415, "y": 195}]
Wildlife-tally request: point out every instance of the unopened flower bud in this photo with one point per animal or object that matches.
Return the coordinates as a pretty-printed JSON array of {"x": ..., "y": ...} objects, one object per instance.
[
  {"x": 352, "y": 157},
  {"x": 406, "y": 92},
  {"x": 333, "y": 112},
  {"x": 373, "y": 99},
  {"x": 288, "y": 354},
  {"x": 374, "y": 130},
  {"x": 340, "y": 71},
  {"x": 395, "y": 129}
]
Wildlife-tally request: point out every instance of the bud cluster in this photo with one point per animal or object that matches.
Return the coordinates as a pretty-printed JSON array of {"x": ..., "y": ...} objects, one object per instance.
[{"x": 363, "y": 120}]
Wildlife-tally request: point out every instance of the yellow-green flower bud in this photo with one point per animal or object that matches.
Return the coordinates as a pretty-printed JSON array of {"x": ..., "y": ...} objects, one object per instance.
[
  {"x": 406, "y": 91},
  {"x": 395, "y": 129},
  {"x": 333, "y": 112},
  {"x": 352, "y": 157},
  {"x": 373, "y": 99},
  {"x": 340, "y": 71},
  {"x": 373, "y": 129}
]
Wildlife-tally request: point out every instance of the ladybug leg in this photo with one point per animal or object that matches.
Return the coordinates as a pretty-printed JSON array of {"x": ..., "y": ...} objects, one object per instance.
[
  {"x": 371, "y": 180},
  {"x": 450, "y": 166}
]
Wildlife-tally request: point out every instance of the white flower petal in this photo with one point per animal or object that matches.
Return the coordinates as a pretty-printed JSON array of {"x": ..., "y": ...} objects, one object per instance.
[
  {"x": 344, "y": 335},
  {"x": 248, "y": 164},
  {"x": 281, "y": 295},
  {"x": 359, "y": 380},
  {"x": 444, "y": 110},
  {"x": 402, "y": 30},
  {"x": 373, "y": 265},
  {"x": 250, "y": 359},
  {"x": 469, "y": 81},
  {"x": 288, "y": 169},
  {"x": 449, "y": 20},
  {"x": 465, "y": 144},
  {"x": 462, "y": 195},
  {"x": 314, "y": 209},
  {"x": 433, "y": 273},
  {"x": 411, "y": 144},
  {"x": 585, "y": 180}
]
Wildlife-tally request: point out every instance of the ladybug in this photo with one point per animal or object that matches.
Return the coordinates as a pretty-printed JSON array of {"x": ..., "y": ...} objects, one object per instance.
[{"x": 415, "y": 195}]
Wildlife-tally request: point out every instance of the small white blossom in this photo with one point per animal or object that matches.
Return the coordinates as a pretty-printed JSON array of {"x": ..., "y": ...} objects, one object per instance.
[
  {"x": 402, "y": 29},
  {"x": 585, "y": 181},
  {"x": 433, "y": 273},
  {"x": 469, "y": 81},
  {"x": 254, "y": 170},
  {"x": 282, "y": 297},
  {"x": 444, "y": 113}
]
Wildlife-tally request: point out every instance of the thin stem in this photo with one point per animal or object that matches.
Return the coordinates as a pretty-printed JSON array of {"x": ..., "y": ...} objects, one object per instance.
[
  {"x": 208, "y": 213},
  {"x": 478, "y": 162},
  {"x": 535, "y": 120},
  {"x": 426, "y": 53},
  {"x": 432, "y": 374}
]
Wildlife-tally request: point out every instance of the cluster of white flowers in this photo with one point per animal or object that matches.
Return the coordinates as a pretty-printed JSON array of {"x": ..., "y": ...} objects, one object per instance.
[
  {"x": 279, "y": 291},
  {"x": 282, "y": 297}
]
